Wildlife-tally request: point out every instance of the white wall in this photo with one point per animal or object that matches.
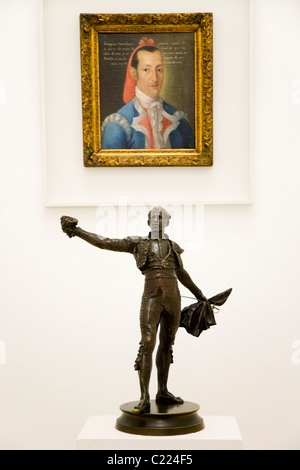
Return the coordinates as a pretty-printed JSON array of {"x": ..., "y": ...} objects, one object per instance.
[{"x": 70, "y": 322}]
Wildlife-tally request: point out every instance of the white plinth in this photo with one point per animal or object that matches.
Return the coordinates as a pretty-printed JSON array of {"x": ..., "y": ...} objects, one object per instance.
[{"x": 220, "y": 433}]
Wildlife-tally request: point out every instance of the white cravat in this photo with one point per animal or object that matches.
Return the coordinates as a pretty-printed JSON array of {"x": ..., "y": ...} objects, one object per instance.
[
  {"x": 144, "y": 99},
  {"x": 155, "y": 111}
]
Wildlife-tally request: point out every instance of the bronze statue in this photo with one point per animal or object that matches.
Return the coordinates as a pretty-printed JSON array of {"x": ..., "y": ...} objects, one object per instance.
[{"x": 159, "y": 260}]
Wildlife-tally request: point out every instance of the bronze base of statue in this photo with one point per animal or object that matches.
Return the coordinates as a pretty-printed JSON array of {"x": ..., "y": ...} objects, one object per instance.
[{"x": 161, "y": 420}]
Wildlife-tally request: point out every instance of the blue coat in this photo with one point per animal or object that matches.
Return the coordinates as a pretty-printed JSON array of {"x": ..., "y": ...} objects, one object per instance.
[{"x": 125, "y": 129}]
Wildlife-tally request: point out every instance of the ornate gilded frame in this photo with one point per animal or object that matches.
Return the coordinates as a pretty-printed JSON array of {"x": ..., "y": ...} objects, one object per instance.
[{"x": 198, "y": 23}]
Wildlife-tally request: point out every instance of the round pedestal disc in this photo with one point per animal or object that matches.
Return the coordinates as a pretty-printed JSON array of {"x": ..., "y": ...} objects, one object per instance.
[{"x": 161, "y": 420}]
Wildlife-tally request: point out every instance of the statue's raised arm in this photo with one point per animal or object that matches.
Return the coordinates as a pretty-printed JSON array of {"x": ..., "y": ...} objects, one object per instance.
[{"x": 70, "y": 227}]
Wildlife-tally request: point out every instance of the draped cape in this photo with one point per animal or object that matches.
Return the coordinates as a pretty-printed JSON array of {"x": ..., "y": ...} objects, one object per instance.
[{"x": 200, "y": 316}]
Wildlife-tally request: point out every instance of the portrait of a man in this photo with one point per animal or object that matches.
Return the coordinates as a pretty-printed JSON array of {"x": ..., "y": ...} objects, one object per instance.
[
  {"x": 146, "y": 121},
  {"x": 147, "y": 89}
]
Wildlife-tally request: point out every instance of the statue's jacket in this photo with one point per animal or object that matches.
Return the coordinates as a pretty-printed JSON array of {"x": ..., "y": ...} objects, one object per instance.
[
  {"x": 128, "y": 128},
  {"x": 138, "y": 246}
]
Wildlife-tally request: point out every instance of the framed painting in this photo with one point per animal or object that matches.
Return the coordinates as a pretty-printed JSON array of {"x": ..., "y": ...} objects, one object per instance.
[{"x": 147, "y": 89}]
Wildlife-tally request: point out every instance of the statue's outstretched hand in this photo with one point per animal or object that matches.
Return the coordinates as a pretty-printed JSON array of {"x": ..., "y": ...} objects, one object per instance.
[{"x": 68, "y": 225}]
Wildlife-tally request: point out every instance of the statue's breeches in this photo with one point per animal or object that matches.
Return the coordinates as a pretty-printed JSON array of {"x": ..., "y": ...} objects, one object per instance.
[{"x": 161, "y": 305}]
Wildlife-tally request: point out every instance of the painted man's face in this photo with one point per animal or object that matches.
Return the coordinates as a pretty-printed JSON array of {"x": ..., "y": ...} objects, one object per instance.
[{"x": 150, "y": 73}]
